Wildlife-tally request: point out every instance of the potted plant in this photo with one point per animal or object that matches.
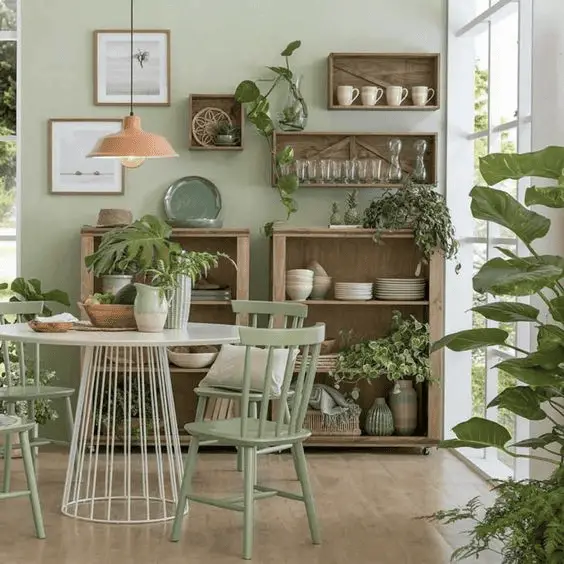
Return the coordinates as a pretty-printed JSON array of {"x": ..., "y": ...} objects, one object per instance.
[
  {"x": 402, "y": 357},
  {"x": 176, "y": 277},
  {"x": 132, "y": 249},
  {"x": 227, "y": 134},
  {"x": 418, "y": 207},
  {"x": 526, "y": 521},
  {"x": 258, "y": 113}
]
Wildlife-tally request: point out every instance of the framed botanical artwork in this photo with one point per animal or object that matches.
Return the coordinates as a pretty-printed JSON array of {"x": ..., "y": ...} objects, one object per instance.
[
  {"x": 151, "y": 67},
  {"x": 70, "y": 171}
]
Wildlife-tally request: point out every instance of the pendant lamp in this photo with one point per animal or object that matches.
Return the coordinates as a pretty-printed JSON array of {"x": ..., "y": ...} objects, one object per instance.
[{"x": 132, "y": 145}]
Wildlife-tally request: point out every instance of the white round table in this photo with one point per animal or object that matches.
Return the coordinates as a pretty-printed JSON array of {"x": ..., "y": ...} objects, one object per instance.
[{"x": 125, "y": 404}]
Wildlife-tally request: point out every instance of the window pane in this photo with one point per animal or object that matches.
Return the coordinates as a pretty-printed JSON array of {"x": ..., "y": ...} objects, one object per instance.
[
  {"x": 504, "y": 417},
  {"x": 480, "y": 150},
  {"x": 8, "y": 14},
  {"x": 7, "y": 188},
  {"x": 7, "y": 87},
  {"x": 481, "y": 76},
  {"x": 7, "y": 265}
]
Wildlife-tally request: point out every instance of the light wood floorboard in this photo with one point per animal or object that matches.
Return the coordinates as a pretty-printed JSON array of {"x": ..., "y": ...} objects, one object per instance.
[{"x": 367, "y": 503}]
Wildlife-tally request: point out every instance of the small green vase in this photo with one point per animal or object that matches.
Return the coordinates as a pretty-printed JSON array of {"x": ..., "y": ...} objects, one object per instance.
[{"x": 379, "y": 420}]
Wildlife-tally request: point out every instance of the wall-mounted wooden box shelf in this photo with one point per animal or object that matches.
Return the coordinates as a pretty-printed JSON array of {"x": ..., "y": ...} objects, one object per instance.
[
  {"x": 343, "y": 146},
  {"x": 352, "y": 255},
  {"x": 383, "y": 69},
  {"x": 224, "y": 102}
]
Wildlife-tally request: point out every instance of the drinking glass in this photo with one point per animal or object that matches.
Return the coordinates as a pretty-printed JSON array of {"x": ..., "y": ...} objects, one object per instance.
[
  {"x": 337, "y": 171},
  {"x": 301, "y": 170},
  {"x": 325, "y": 171},
  {"x": 287, "y": 169},
  {"x": 351, "y": 172},
  {"x": 312, "y": 171},
  {"x": 374, "y": 173},
  {"x": 363, "y": 171}
]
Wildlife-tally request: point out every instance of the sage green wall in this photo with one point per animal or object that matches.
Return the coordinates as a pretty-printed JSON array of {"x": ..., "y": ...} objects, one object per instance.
[{"x": 215, "y": 44}]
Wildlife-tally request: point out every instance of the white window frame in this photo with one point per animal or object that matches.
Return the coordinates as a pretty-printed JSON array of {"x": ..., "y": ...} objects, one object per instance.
[
  {"x": 463, "y": 27},
  {"x": 15, "y": 35}
]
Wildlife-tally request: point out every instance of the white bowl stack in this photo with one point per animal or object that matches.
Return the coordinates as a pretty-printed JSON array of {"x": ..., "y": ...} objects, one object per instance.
[
  {"x": 353, "y": 291},
  {"x": 299, "y": 284},
  {"x": 408, "y": 289},
  {"x": 321, "y": 281}
]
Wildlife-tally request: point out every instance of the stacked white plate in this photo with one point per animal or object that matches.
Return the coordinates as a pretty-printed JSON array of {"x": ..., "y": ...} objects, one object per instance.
[
  {"x": 353, "y": 291},
  {"x": 409, "y": 289}
]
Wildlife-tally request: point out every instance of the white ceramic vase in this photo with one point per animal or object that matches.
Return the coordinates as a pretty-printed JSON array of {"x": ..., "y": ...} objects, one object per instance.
[
  {"x": 150, "y": 309},
  {"x": 179, "y": 304}
]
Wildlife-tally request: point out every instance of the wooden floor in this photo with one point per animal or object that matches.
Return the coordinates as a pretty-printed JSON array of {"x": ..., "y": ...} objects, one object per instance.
[{"x": 367, "y": 502}]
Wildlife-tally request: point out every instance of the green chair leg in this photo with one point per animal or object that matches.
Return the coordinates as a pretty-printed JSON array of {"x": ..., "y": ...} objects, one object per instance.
[
  {"x": 32, "y": 484},
  {"x": 7, "y": 462},
  {"x": 300, "y": 464},
  {"x": 185, "y": 489},
  {"x": 249, "y": 473},
  {"x": 253, "y": 412}
]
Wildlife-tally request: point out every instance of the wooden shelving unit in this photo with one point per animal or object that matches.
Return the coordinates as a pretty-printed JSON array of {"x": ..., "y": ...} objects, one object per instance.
[
  {"x": 345, "y": 146},
  {"x": 352, "y": 255},
  {"x": 225, "y": 102},
  {"x": 383, "y": 70},
  {"x": 235, "y": 243}
]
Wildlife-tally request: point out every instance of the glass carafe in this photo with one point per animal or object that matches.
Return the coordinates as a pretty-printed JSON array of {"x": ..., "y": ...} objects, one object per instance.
[{"x": 395, "y": 173}]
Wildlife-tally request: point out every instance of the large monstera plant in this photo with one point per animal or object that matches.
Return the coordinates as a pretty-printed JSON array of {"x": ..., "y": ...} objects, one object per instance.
[{"x": 527, "y": 518}]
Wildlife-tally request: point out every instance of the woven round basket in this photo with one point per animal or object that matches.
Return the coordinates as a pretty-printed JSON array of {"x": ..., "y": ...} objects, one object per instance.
[{"x": 111, "y": 316}]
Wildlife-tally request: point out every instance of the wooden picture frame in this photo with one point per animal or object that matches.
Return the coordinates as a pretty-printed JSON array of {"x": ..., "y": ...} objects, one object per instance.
[
  {"x": 151, "y": 71},
  {"x": 69, "y": 171}
]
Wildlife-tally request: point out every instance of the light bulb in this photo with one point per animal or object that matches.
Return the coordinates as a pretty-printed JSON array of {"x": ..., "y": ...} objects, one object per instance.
[{"x": 132, "y": 162}]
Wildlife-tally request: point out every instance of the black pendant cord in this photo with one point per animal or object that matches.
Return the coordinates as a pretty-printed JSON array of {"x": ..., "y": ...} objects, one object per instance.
[{"x": 131, "y": 63}]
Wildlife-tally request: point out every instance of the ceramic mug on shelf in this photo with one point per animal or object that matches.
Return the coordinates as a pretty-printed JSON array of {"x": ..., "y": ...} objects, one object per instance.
[
  {"x": 422, "y": 95},
  {"x": 395, "y": 95},
  {"x": 371, "y": 95},
  {"x": 346, "y": 95}
]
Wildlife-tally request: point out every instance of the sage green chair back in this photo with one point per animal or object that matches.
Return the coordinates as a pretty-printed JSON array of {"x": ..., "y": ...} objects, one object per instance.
[
  {"x": 20, "y": 310},
  {"x": 292, "y": 315},
  {"x": 309, "y": 339}
]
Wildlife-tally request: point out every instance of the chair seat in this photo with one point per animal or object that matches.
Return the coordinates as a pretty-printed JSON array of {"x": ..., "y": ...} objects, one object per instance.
[
  {"x": 32, "y": 392},
  {"x": 231, "y": 393},
  {"x": 229, "y": 431}
]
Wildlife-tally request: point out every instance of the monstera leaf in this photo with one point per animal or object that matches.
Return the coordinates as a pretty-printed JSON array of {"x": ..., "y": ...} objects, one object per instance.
[
  {"x": 546, "y": 163},
  {"x": 501, "y": 208},
  {"x": 551, "y": 197}
]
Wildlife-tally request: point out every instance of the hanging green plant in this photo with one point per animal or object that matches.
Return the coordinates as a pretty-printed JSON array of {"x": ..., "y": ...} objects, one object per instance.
[
  {"x": 418, "y": 207},
  {"x": 258, "y": 113}
]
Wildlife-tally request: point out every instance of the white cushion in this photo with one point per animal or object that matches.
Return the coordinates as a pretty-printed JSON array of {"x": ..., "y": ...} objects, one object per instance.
[{"x": 228, "y": 369}]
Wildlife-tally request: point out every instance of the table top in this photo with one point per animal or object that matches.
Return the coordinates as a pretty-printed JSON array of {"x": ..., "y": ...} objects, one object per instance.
[{"x": 195, "y": 334}]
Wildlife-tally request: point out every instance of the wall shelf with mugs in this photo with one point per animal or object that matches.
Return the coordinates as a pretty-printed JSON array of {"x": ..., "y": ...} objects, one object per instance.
[
  {"x": 383, "y": 81},
  {"x": 359, "y": 160}
]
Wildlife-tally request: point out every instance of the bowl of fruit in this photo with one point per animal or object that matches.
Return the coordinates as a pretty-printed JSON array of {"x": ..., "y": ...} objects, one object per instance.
[{"x": 109, "y": 311}]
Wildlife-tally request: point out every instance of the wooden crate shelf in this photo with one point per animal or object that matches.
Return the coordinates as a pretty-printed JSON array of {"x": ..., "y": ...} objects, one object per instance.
[
  {"x": 343, "y": 146},
  {"x": 225, "y": 102},
  {"x": 383, "y": 70},
  {"x": 352, "y": 255}
]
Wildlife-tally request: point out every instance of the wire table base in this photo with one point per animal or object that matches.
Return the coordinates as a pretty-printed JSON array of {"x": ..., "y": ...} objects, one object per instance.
[{"x": 125, "y": 406}]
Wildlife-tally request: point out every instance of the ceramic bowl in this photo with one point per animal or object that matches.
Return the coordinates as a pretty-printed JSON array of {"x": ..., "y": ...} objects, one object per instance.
[
  {"x": 298, "y": 292},
  {"x": 317, "y": 269},
  {"x": 321, "y": 285},
  {"x": 185, "y": 358},
  {"x": 301, "y": 271}
]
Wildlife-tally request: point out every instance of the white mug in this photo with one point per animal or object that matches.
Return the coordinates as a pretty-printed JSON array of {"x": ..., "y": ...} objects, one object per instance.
[
  {"x": 371, "y": 95},
  {"x": 422, "y": 95},
  {"x": 395, "y": 95},
  {"x": 346, "y": 95}
]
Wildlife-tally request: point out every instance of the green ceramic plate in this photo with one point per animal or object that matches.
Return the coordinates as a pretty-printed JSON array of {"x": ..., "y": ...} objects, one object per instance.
[{"x": 192, "y": 197}]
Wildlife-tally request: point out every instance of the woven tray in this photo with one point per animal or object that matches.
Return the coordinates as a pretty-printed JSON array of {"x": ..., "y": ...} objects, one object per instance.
[
  {"x": 47, "y": 327},
  {"x": 315, "y": 422}
]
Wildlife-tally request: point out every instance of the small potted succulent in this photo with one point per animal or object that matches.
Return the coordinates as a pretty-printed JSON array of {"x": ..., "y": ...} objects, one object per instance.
[{"x": 227, "y": 134}]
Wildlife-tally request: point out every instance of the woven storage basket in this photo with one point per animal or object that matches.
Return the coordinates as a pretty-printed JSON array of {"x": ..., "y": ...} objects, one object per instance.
[
  {"x": 325, "y": 363},
  {"x": 111, "y": 316},
  {"x": 316, "y": 423}
]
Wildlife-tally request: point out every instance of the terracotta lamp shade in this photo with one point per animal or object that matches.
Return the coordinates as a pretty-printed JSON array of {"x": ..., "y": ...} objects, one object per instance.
[{"x": 132, "y": 145}]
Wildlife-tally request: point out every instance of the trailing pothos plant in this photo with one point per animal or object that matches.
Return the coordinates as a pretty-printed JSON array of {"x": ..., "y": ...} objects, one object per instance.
[
  {"x": 418, "y": 207},
  {"x": 527, "y": 518},
  {"x": 258, "y": 113}
]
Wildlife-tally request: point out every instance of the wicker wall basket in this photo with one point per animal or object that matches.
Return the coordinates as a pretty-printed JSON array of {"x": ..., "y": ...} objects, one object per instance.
[
  {"x": 111, "y": 316},
  {"x": 318, "y": 425}
]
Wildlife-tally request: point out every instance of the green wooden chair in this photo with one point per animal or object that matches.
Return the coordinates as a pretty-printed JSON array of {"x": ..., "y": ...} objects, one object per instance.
[
  {"x": 250, "y": 434},
  {"x": 10, "y": 394},
  {"x": 23, "y": 429},
  {"x": 288, "y": 315}
]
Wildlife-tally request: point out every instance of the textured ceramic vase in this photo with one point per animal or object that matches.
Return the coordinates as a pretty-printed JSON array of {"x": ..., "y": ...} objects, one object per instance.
[
  {"x": 179, "y": 304},
  {"x": 403, "y": 403},
  {"x": 379, "y": 420},
  {"x": 150, "y": 309}
]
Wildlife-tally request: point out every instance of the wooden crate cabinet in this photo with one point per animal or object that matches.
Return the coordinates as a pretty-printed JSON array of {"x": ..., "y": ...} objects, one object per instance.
[
  {"x": 233, "y": 242},
  {"x": 351, "y": 255}
]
